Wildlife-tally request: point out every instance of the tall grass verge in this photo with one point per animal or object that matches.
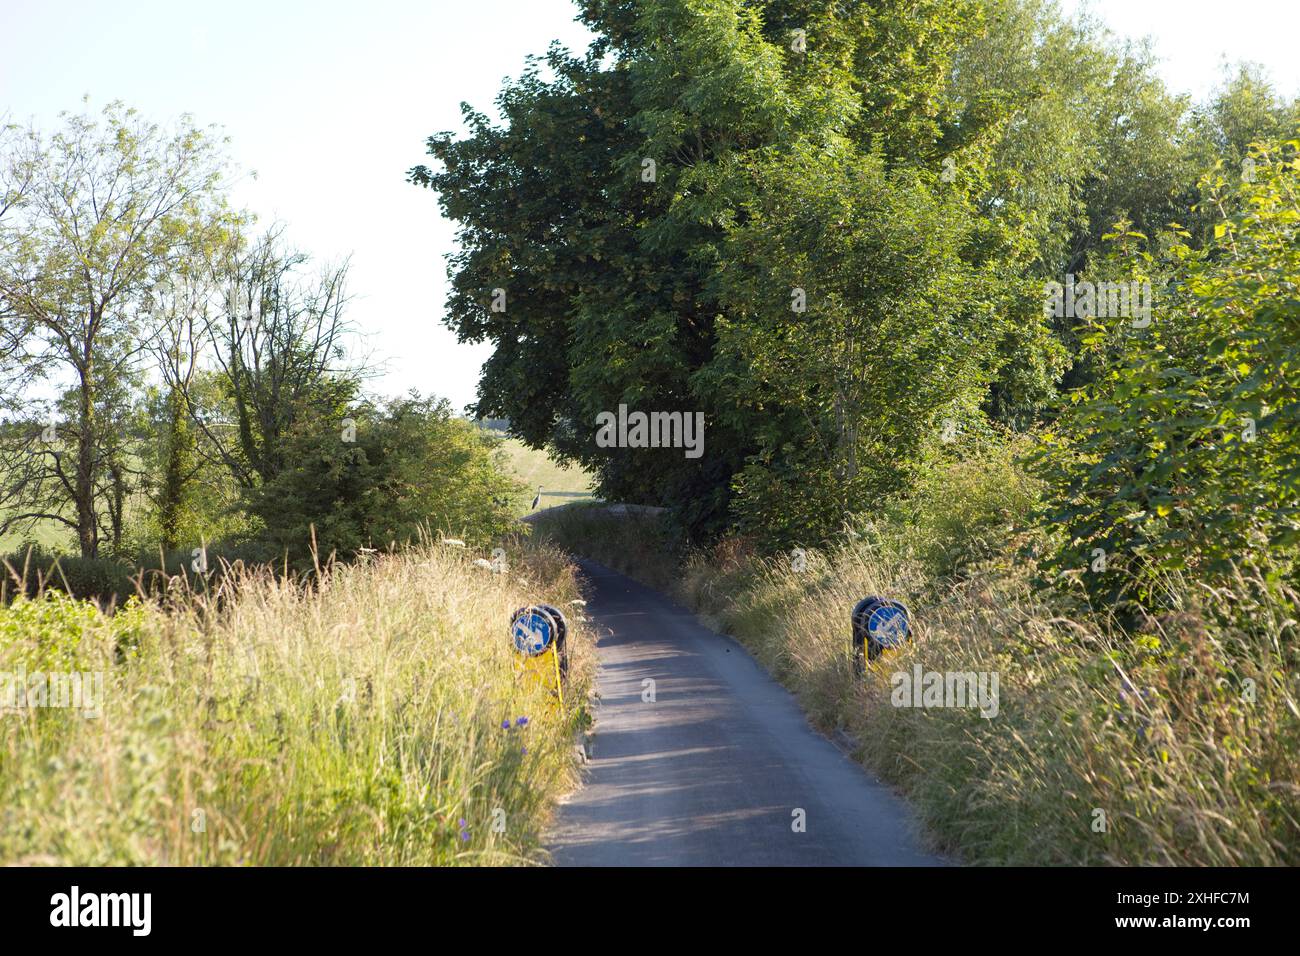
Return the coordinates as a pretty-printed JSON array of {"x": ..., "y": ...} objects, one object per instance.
[
  {"x": 1169, "y": 738},
  {"x": 369, "y": 716},
  {"x": 1174, "y": 744}
]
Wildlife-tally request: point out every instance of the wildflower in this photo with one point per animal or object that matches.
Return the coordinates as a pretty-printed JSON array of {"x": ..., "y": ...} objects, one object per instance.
[
  {"x": 521, "y": 722},
  {"x": 505, "y": 724},
  {"x": 464, "y": 830}
]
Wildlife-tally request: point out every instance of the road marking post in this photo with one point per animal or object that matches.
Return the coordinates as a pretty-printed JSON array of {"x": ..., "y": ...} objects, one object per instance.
[
  {"x": 539, "y": 634},
  {"x": 879, "y": 624}
]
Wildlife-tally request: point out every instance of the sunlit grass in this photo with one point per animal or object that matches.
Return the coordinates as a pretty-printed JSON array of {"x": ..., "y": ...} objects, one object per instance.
[
  {"x": 357, "y": 718},
  {"x": 1183, "y": 730},
  {"x": 560, "y": 484},
  {"x": 1155, "y": 729}
]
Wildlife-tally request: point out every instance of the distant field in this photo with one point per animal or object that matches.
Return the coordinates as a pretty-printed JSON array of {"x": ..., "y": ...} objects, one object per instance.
[
  {"x": 48, "y": 534},
  {"x": 560, "y": 485}
]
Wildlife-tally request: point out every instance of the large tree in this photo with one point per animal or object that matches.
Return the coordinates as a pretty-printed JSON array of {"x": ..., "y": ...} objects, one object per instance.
[
  {"x": 894, "y": 345},
  {"x": 109, "y": 206},
  {"x": 632, "y": 232},
  {"x": 602, "y": 208}
]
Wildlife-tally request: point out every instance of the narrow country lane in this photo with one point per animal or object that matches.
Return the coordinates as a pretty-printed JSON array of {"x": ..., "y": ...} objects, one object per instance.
[{"x": 717, "y": 768}]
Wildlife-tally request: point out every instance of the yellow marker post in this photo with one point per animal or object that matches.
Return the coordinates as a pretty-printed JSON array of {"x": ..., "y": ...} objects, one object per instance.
[
  {"x": 538, "y": 633},
  {"x": 879, "y": 624}
]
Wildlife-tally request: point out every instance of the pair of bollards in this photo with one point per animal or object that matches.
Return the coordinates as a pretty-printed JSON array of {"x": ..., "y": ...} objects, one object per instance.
[{"x": 879, "y": 624}]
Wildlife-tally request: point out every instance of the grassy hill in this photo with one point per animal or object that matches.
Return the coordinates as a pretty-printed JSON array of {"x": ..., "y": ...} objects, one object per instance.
[
  {"x": 48, "y": 534},
  {"x": 560, "y": 484}
]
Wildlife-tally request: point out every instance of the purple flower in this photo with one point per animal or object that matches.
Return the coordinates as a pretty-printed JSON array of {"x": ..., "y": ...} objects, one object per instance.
[
  {"x": 521, "y": 722},
  {"x": 464, "y": 830},
  {"x": 505, "y": 724}
]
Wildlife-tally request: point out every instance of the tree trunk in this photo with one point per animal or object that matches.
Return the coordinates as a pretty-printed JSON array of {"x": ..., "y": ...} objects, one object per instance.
[
  {"x": 118, "y": 507},
  {"x": 87, "y": 536},
  {"x": 84, "y": 485},
  {"x": 175, "y": 469}
]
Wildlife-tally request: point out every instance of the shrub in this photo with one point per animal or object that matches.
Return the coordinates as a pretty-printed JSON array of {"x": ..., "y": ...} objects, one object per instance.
[
  {"x": 392, "y": 471},
  {"x": 1182, "y": 456},
  {"x": 965, "y": 511},
  {"x": 633, "y": 543},
  {"x": 35, "y": 570}
]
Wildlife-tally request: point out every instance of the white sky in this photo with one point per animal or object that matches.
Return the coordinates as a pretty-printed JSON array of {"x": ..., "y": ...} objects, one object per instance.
[
  {"x": 330, "y": 103},
  {"x": 1194, "y": 37}
]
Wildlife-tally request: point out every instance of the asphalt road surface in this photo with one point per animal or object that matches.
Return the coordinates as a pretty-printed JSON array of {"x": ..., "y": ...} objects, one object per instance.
[{"x": 715, "y": 771}]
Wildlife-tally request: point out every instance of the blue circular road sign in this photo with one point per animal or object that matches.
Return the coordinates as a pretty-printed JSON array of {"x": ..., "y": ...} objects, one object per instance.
[
  {"x": 532, "y": 630},
  {"x": 887, "y": 625}
]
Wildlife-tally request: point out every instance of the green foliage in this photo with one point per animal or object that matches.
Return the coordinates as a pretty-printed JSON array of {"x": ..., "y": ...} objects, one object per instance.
[
  {"x": 634, "y": 543},
  {"x": 777, "y": 167},
  {"x": 113, "y": 582},
  {"x": 97, "y": 213},
  {"x": 963, "y": 510},
  {"x": 1185, "y": 728},
  {"x": 899, "y": 333},
  {"x": 35, "y": 570},
  {"x": 192, "y": 498},
  {"x": 1244, "y": 110},
  {"x": 383, "y": 474},
  {"x": 1183, "y": 455},
  {"x": 52, "y": 633}
]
